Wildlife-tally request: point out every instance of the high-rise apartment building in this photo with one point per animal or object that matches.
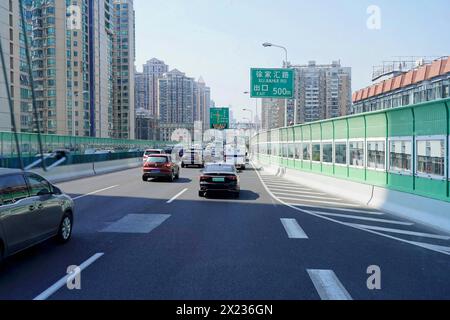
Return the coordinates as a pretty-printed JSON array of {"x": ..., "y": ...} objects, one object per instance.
[
  {"x": 175, "y": 97},
  {"x": 101, "y": 77},
  {"x": 273, "y": 113},
  {"x": 81, "y": 62},
  {"x": 153, "y": 70},
  {"x": 322, "y": 91},
  {"x": 202, "y": 102},
  {"x": 123, "y": 63}
]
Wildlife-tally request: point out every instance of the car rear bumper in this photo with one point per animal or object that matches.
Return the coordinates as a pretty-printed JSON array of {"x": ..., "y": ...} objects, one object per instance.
[
  {"x": 153, "y": 174},
  {"x": 205, "y": 187}
]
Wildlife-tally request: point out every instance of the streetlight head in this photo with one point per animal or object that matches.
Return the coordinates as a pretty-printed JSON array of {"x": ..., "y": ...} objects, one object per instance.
[{"x": 267, "y": 44}]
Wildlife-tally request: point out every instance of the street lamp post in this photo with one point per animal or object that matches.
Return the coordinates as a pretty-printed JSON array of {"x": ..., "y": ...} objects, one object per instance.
[
  {"x": 258, "y": 125},
  {"x": 285, "y": 65}
]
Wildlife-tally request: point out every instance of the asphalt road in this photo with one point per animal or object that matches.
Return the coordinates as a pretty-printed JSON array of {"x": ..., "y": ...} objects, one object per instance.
[{"x": 159, "y": 240}]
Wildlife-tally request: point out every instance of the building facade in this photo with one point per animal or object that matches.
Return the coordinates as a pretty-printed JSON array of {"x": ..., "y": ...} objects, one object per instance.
[
  {"x": 123, "y": 68},
  {"x": 153, "y": 70},
  {"x": 72, "y": 47},
  {"x": 426, "y": 82},
  {"x": 146, "y": 125},
  {"x": 322, "y": 91},
  {"x": 176, "y": 97},
  {"x": 273, "y": 113}
]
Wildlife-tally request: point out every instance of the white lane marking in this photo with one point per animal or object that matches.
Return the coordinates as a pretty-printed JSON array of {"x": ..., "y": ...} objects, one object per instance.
[
  {"x": 288, "y": 186},
  {"x": 306, "y": 197},
  {"x": 328, "y": 285},
  {"x": 293, "y": 229},
  {"x": 176, "y": 196},
  {"x": 431, "y": 246},
  {"x": 305, "y": 201},
  {"x": 376, "y": 213},
  {"x": 364, "y": 218},
  {"x": 292, "y": 206},
  {"x": 64, "y": 280},
  {"x": 277, "y": 190},
  {"x": 94, "y": 192},
  {"x": 399, "y": 231}
]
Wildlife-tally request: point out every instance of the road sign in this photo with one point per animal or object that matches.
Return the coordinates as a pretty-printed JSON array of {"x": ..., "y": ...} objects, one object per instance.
[
  {"x": 220, "y": 118},
  {"x": 272, "y": 83}
]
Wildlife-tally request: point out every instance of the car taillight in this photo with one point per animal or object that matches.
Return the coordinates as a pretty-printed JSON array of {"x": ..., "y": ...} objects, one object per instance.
[
  {"x": 167, "y": 165},
  {"x": 232, "y": 178},
  {"x": 203, "y": 178}
]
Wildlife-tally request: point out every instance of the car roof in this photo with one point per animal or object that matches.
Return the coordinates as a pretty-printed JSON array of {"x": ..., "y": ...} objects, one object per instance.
[
  {"x": 159, "y": 155},
  {"x": 5, "y": 171}
]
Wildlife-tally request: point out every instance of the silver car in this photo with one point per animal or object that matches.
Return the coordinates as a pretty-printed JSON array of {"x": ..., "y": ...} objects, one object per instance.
[{"x": 32, "y": 210}]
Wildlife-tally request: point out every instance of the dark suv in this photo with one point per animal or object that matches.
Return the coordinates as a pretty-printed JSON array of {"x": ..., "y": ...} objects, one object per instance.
[{"x": 32, "y": 210}]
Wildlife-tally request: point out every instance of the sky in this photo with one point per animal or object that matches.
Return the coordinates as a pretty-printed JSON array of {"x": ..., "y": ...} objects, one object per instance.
[{"x": 221, "y": 40}]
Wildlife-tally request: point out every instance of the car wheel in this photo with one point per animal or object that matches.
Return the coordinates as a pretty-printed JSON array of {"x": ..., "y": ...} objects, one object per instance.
[
  {"x": 201, "y": 194},
  {"x": 172, "y": 177},
  {"x": 65, "y": 228},
  {"x": 144, "y": 178},
  {"x": 236, "y": 195},
  {"x": 183, "y": 165}
]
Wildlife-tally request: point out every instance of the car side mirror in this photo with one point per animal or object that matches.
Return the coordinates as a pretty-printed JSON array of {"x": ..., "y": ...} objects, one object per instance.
[
  {"x": 44, "y": 192},
  {"x": 56, "y": 190}
]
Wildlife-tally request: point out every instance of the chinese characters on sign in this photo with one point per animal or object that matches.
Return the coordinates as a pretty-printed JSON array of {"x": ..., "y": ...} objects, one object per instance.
[{"x": 272, "y": 83}]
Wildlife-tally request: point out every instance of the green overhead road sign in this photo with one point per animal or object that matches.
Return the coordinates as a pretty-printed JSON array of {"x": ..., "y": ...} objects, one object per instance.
[
  {"x": 219, "y": 118},
  {"x": 272, "y": 83}
]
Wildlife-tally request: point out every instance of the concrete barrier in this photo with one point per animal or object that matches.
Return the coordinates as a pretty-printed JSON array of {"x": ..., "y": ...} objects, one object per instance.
[
  {"x": 432, "y": 213},
  {"x": 77, "y": 171}
]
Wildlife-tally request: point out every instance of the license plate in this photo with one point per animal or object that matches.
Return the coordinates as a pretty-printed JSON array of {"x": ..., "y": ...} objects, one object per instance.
[{"x": 218, "y": 179}]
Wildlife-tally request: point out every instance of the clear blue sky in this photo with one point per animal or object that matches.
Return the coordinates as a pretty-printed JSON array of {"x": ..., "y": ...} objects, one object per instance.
[{"x": 221, "y": 39}]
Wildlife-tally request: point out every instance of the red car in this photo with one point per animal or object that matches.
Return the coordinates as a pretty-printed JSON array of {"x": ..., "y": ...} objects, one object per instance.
[{"x": 160, "y": 166}]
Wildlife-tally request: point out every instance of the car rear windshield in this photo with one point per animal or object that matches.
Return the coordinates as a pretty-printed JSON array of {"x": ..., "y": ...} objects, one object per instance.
[
  {"x": 157, "y": 159},
  {"x": 148, "y": 152},
  {"x": 218, "y": 168}
]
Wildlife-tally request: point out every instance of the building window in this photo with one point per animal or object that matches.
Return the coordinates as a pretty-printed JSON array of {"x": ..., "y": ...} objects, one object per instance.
[
  {"x": 400, "y": 156},
  {"x": 376, "y": 155},
  {"x": 327, "y": 152},
  {"x": 291, "y": 150},
  {"x": 356, "y": 149},
  {"x": 306, "y": 147},
  {"x": 340, "y": 153},
  {"x": 315, "y": 152},
  {"x": 298, "y": 151},
  {"x": 431, "y": 157}
]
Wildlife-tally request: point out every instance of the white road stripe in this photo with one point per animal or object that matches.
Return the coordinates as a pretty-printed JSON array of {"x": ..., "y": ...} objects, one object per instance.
[
  {"x": 277, "y": 190},
  {"x": 94, "y": 192},
  {"x": 399, "y": 231},
  {"x": 177, "y": 195},
  {"x": 376, "y": 213},
  {"x": 431, "y": 246},
  {"x": 347, "y": 216},
  {"x": 293, "y": 229},
  {"x": 328, "y": 285},
  {"x": 316, "y": 201},
  {"x": 288, "y": 186},
  {"x": 303, "y": 210},
  {"x": 66, "y": 279},
  {"x": 306, "y": 197}
]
